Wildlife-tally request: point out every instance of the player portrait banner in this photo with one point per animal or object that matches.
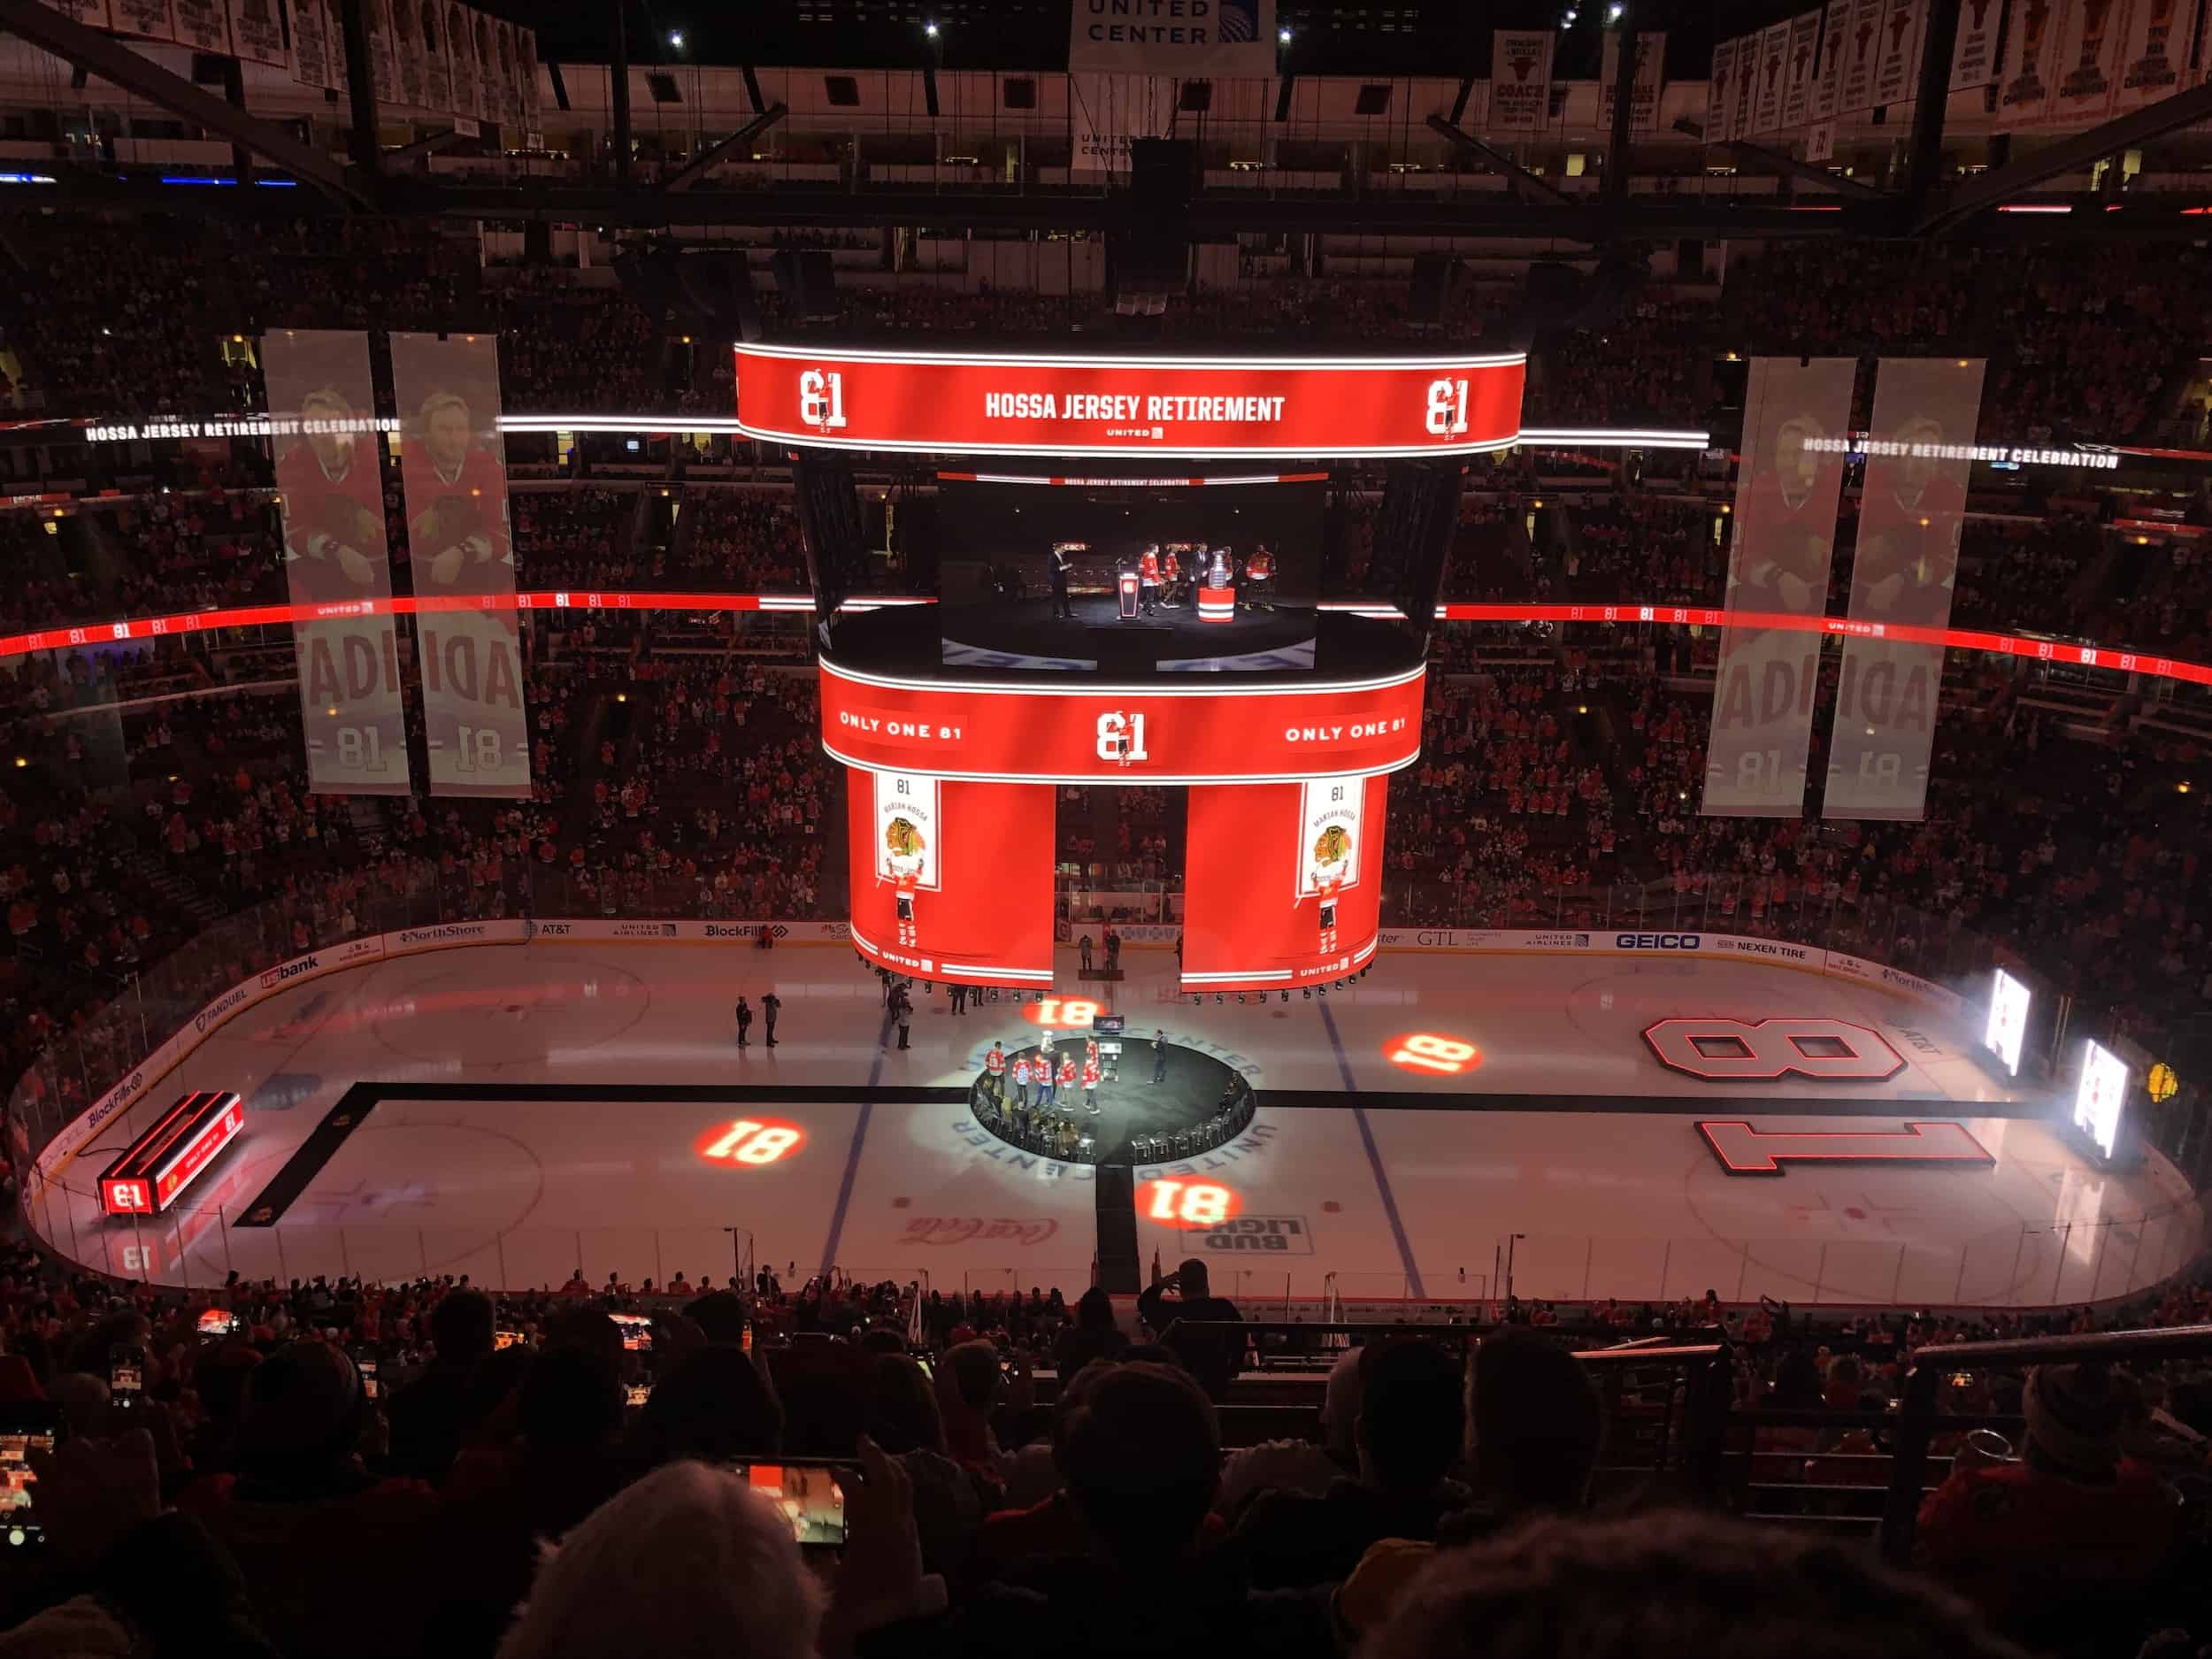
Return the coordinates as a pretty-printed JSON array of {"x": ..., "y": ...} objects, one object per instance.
[
  {"x": 1520, "y": 81},
  {"x": 1284, "y": 884},
  {"x": 454, "y": 472},
  {"x": 841, "y": 397},
  {"x": 257, "y": 33},
  {"x": 1974, "y": 54},
  {"x": 1796, "y": 416},
  {"x": 952, "y": 880},
  {"x": 1643, "y": 99},
  {"x": 1911, "y": 505},
  {"x": 1199, "y": 37},
  {"x": 330, "y": 494}
]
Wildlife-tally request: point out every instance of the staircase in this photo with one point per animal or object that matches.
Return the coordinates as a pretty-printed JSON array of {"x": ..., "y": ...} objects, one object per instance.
[{"x": 180, "y": 896}]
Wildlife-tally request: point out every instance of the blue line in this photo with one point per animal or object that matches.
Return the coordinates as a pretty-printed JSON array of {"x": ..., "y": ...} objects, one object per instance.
[
  {"x": 1374, "y": 1158},
  {"x": 852, "y": 1155}
]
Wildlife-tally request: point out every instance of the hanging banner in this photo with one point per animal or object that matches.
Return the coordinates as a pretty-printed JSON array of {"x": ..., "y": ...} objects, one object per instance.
[
  {"x": 1974, "y": 56},
  {"x": 148, "y": 19},
  {"x": 526, "y": 69},
  {"x": 1200, "y": 37},
  {"x": 1520, "y": 81},
  {"x": 1911, "y": 505},
  {"x": 437, "y": 64},
  {"x": 93, "y": 14},
  {"x": 1108, "y": 111},
  {"x": 1820, "y": 142},
  {"x": 1797, "y": 88},
  {"x": 334, "y": 45},
  {"x": 383, "y": 50},
  {"x": 460, "y": 46},
  {"x": 330, "y": 492},
  {"x": 1643, "y": 101},
  {"x": 2154, "y": 55},
  {"x": 1897, "y": 54},
  {"x": 257, "y": 33},
  {"x": 407, "y": 51},
  {"x": 1797, "y": 416},
  {"x": 491, "y": 69},
  {"x": 510, "y": 72},
  {"x": 453, "y": 466},
  {"x": 2088, "y": 62},
  {"x": 1861, "y": 52},
  {"x": 1718, "y": 107},
  {"x": 203, "y": 25},
  {"x": 1771, "y": 65},
  {"x": 1835, "y": 30},
  {"x": 1747, "y": 83},
  {"x": 2024, "y": 94}
]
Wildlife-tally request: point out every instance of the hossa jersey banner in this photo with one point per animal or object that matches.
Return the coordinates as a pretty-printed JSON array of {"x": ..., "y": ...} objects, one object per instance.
[
  {"x": 952, "y": 882},
  {"x": 330, "y": 492},
  {"x": 1284, "y": 886},
  {"x": 1787, "y": 494},
  {"x": 1012, "y": 402},
  {"x": 1910, "y": 508},
  {"x": 462, "y": 553}
]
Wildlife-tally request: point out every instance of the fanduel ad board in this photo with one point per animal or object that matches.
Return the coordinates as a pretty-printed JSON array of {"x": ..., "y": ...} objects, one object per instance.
[
  {"x": 1911, "y": 507},
  {"x": 331, "y": 494},
  {"x": 1785, "y": 540},
  {"x": 462, "y": 552},
  {"x": 987, "y": 402},
  {"x": 952, "y": 881},
  {"x": 1284, "y": 886}
]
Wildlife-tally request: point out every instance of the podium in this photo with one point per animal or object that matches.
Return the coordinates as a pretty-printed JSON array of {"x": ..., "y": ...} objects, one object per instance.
[{"x": 1126, "y": 590}]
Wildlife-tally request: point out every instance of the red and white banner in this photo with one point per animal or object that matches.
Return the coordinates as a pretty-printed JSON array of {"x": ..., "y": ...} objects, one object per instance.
[
  {"x": 2087, "y": 69},
  {"x": 1730, "y": 59},
  {"x": 1047, "y": 733},
  {"x": 952, "y": 880},
  {"x": 460, "y": 47},
  {"x": 330, "y": 492},
  {"x": 93, "y": 14},
  {"x": 1897, "y": 53},
  {"x": 2154, "y": 55},
  {"x": 1974, "y": 55},
  {"x": 148, "y": 19},
  {"x": 437, "y": 64},
  {"x": 1285, "y": 885},
  {"x": 1797, "y": 87},
  {"x": 1644, "y": 83},
  {"x": 203, "y": 25},
  {"x": 453, "y": 465},
  {"x": 1049, "y": 405},
  {"x": 1771, "y": 63},
  {"x": 1862, "y": 52},
  {"x": 1786, "y": 493},
  {"x": 257, "y": 33},
  {"x": 2031, "y": 63},
  {"x": 313, "y": 23},
  {"x": 1911, "y": 506},
  {"x": 1835, "y": 32},
  {"x": 1520, "y": 81},
  {"x": 409, "y": 55}
]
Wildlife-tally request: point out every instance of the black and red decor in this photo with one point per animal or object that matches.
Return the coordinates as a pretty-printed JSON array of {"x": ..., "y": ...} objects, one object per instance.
[{"x": 151, "y": 1173}]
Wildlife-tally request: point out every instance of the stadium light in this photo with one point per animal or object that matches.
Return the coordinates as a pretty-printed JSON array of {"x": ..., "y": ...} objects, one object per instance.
[
  {"x": 930, "y": 28},
  {"x": 676, "y": 39},
  {"x": 1613, "y": 12},
  {"x": 1282, "y": 35}
]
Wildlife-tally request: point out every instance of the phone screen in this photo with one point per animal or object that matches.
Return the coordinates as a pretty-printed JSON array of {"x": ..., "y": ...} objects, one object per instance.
[
  {"x": 365, "y": 1361},
  {"x": 637, "y": 1393},
  {"x": 811, "y": 1496},
  {"x": 126, "y": 1375},
  {"x": 19, "y": 1437}
]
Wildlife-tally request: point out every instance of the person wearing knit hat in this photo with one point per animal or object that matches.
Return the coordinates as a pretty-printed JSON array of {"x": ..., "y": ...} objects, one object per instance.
[{"x": 2065, "y": 1527}]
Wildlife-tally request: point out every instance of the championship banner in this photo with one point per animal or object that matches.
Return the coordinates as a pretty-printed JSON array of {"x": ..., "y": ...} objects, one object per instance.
[
  {"x": 953, "y": 881},
  {"x": 1974, "y": 56},
  {"x": 1861, "y": 52},
  {"x": 257, "y": 33},
  {"x": 2154, "y": 55},
  {"x": 1910, "y": 507},
  {"x": 1796, "y": 415},
  {"x": 1007, "y": 403},
  {"x": 92, "y": 13},
  {"x": 1520, "y": 81},
  {"x": 1897, "y": 55},
  {"x": 989, "y": 731},
  {"x": 1719, "y": 109},
  {"x": 383, "y": 49},
  {"x": 1747, "y": 84},
  {"x": 331, "y": 496},
  {"x": 203, "y": 25},
  {"x": 2087, "y": 66},
  {"x": 526, "y": 70},
  {"x": 437, "y": 63},
  {"x": 453, "y": 466},
  {"x": 460, "y": 46},
  {"x": 147, "y": 19},
  {"x": 413, "y": 70},
  {"x": 1797, "y": 86},
  {"x": 1643, "y": 104},
  {"x": 2024, "y": 88},
  {"x": 1203, "y": 37},
  {"x": 487, "y": 69},
  {"x": 1284, "y": 886},
  {"x": 1771, "y": 63},
  {"x": 1835, "y": 30}
]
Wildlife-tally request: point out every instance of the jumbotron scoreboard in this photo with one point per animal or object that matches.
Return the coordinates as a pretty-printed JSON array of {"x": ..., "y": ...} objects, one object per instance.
[{"x": 1104, "y": 619}]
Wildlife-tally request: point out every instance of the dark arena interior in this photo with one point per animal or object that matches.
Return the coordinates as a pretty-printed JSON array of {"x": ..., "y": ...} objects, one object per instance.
[{"x": 828, "y": 797}]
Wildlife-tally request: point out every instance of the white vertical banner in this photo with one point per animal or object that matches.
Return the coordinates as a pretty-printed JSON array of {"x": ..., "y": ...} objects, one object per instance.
[
  {"x": 1898, "y": 53},
  {"x": 203, "y": 25},
  {"x": 437, "y": 63},
  {"x": 1644, "y": 81},
  {"x": 1797, "y": 88},
  {"x": 909, "y": 830},
  {"x": 1718, "y": 107},
  {"x": 330, "y": 492},
  {"x": 2088, "y": 63},
  {"x": 383, "y": 50},
  {"x": 1747, "y": 83},
  {"x": 453, "y": 469},
  {"x": 1911, "y": 506},
  {"x": 2154, "y": 55},
  {"x": 93, "y": 14},
  {"x": 487, "y": 68},
  {"x": 527, "y": 69},
  {"x": 511, "y": 66},
  {"x": 2031, "y": 63},
  {"x": 1520, "y": 81},
  {"x": 460, "y": 46},
  {"x": 1974, "y": 55},
  {"x": 1861, "y": 52},
  {"x": 1330, "y": 830},
  {"x": 1773, "y": 65},
  {"x": 257, "y": 33},
  {"x": 1820, "y": 142},
  {"x": 1796, "y": 418},
  {"x": 1835, "y": 28},
  {"x": 148, "y": 19},
  {"x": 407, "y": 52}
]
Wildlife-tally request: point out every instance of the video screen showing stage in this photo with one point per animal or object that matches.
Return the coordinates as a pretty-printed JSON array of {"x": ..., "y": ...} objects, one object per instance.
[{"x": 1144, "y": 576}]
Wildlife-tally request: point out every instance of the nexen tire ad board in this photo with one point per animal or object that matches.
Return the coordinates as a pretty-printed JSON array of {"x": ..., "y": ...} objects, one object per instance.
[
  {"x": 1286, "y": 884},
  {"x": 952, "y": 881}
]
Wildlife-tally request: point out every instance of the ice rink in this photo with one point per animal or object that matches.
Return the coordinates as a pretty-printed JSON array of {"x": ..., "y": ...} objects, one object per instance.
[{"x": 562, "y": 1104}]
